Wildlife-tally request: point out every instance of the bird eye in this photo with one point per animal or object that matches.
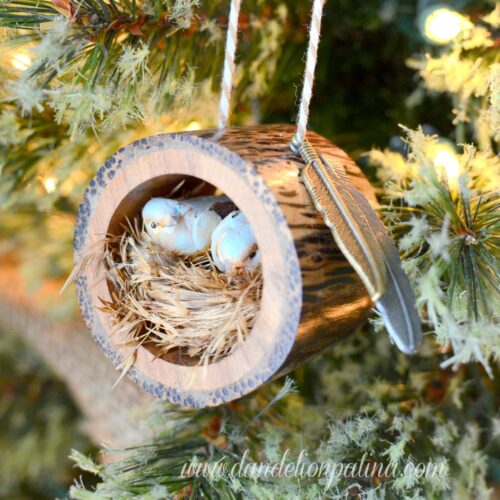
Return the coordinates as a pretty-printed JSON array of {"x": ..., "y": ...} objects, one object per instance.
[
  {"x": 253, "y": 252},
  {"x": 153, "y": 225}
]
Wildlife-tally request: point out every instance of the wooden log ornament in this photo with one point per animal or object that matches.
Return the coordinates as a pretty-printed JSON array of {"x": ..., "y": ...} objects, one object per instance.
[{"x": 311, "y": 296}]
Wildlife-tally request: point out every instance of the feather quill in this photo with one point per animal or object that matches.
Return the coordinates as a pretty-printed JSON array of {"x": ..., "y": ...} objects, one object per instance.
[{"x": 365, "y": 243}]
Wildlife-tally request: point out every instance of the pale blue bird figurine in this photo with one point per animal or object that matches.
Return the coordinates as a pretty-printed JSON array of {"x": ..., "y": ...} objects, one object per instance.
[
  {"x": 182, "y": 227},
  {"x": 234, "y": 247}
]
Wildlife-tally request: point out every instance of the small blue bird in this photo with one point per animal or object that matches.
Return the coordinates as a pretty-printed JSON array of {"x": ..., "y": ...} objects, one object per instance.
[
  {"x": 182, "y": 227},
  {"x": 234, "y": 247}
]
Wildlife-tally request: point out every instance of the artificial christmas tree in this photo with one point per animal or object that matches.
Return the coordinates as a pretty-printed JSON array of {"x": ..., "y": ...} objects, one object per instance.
[{"x": 76, "y": 73}]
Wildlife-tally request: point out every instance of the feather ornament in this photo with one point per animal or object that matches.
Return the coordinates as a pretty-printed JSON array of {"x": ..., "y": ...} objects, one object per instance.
[
  {"x": 332, "y": 195},
  {"x": 397, "y": 305},
  {"x": 365, "y": 243}
]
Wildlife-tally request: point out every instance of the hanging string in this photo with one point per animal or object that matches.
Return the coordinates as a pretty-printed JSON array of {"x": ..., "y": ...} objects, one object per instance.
[
  {"x": 311, "y": 60},
  {"x": 229, "y": 66},
  {"x": 312, "y": 57}
]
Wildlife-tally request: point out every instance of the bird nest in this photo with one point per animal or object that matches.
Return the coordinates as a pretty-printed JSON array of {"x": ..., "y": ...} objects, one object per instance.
[{"x": 180, "y": 308}]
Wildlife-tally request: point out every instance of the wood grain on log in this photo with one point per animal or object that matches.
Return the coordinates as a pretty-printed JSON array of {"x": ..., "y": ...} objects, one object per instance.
[{"x": 311, "y": 296}]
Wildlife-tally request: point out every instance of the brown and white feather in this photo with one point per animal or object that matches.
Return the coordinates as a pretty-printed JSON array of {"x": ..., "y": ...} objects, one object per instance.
[{"x": 330, "y": 190}]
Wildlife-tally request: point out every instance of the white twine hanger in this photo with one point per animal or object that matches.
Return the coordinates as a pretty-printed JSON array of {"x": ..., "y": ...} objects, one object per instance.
[
  {"x": 229, "y": 66},
  {"x": 311, "y": 60}
]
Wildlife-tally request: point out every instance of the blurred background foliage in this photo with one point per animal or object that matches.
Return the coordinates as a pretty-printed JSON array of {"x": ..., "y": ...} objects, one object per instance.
[{"x": 39, "y": 424}]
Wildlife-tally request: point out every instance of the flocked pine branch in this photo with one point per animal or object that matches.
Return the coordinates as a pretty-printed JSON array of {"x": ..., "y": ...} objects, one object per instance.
[
  {"x": 183, "y": 438},
  {"x": 99, "y": 50},
  {"x": 445, "y": 213},
  {"x": 448, "y": 227},
  {"x": 466, "y": 73},
  {"x": 368, "y": 403},
  {"x": 86, "y": 53}
]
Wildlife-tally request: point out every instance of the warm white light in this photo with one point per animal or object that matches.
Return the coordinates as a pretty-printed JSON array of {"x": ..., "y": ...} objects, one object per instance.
[
  {"x": 194, "y": 125},
  {"x": 442, "y": 25},
  {"x": 49, "y": 184},
  {"x": 21, "y": 61},
  {"x": 446, "y": 161},
  {"x": 66, "y": 187}
]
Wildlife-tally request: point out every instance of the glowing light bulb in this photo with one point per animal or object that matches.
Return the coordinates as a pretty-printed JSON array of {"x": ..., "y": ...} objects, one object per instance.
[
  {"x": 21, "y": 61},
  {"x": 49, "y": 183},
  {"x": 194, "y": 125},
  {"x": 445, "y": 159},
  {"x": 441, "y": 25},
  {"x": 448, "y": 163}
]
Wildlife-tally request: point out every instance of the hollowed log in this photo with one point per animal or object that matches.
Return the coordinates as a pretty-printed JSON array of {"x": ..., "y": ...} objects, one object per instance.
[{"x": 311, "y": 296}]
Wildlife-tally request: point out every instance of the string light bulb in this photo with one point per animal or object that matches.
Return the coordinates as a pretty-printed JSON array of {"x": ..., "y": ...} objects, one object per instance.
[
  {"x": 194, "y": 125},
  {"x": 21, "y": 61},
  {"x": 441, "y": 25},
  {"x": 49, "y": 183},
  {"x": 444, "y": 156}
]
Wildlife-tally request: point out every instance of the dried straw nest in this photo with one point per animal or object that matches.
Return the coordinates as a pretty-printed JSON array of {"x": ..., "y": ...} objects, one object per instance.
[{"x": 171, "y": 303}]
